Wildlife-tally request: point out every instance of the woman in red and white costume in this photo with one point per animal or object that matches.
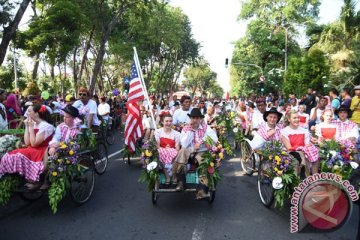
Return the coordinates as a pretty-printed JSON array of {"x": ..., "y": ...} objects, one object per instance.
[
  {"x": 303, "y": 116},
  {"x": 168, "y": 144},
  {"x": 326, "y": 130},
  {"x": 29, "y": 162},
  {"x": 296, "y": 138}
]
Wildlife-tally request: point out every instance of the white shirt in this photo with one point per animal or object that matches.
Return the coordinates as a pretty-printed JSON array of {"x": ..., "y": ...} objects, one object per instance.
[
  {"x": 3, "y": 122},
  {"x": 89, "y": 108},
  {"x": 319, "y": 112},
  {"x": 257, "y": 119},
  {"x": 104, "y": 110},
  {"x": 186, "y": 138},
  {"x": 287, "y": 131},
  {"x": 181, "y": 116}
]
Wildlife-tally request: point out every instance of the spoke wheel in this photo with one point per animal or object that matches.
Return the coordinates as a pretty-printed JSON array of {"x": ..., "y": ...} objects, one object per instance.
[
  {"x": 266, "y": 191},
  {"x": 82, "y": 186},
  {"x": 247, "y": 159},
  {"x": 100, "y": 158}
]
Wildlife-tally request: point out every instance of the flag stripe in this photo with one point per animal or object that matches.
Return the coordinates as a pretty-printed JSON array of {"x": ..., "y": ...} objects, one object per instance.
[{"x": 133, "y": 126}]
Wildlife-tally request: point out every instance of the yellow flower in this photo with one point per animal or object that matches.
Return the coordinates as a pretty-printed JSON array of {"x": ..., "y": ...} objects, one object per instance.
[
  {"x": 211, "y": 164},
  {"x": 148, "y": 153},
  {"x": 270, "y": 157},
  {"x": 283, "y": 153},
  {"x": 72, "y": 143},
  {"x": 276, "y": 169},
  {"x": 59, "y": 160},
  {"x": 54, "y": 174},
  {"x": 279, "y": 172},
  {"x": 221, "y": 155},
  {"x": 67, "y": 162},
  {"x": 277, "y": 158},
  {"x": 71, "y": 152},
  {"x": 63, "y": 146},
  {"x": 220, "y": 146},
  {"x": 351, "y": 158}
]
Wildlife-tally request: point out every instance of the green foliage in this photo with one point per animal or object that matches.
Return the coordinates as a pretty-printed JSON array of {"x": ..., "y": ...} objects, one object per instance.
[
  {"x": 57, "y": 192},
  {"x": 8, "y": 184},
  {"x": 199, "y": 78}
]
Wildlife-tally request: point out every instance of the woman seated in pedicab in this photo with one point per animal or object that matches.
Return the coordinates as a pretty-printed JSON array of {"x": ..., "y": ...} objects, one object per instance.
[
  {"x": 297, "y": 140},
  {"x": 168, "y": 144},
  {"x": 348, "y": 131},
  {"x": 327, "y": 129},
  {"x": 269, "y": 130},
  {"x": 30, "y": 162},
  {"x": 192, "y": 140}
]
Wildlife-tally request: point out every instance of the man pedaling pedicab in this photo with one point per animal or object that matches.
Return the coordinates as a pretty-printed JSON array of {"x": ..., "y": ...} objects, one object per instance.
[{"x": 192, "y": 139}]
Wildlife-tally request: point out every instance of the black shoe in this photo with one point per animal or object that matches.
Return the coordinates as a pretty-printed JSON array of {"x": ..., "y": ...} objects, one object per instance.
[{"x": 179, "y": 186}]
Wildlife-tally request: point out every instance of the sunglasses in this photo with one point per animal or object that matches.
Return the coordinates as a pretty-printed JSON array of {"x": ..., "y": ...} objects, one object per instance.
[{"x": 82, "y": 94}]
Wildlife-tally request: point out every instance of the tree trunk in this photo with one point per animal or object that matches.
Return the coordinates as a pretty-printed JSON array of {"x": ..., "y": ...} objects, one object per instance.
[
  {"x": 9, "y": 32},
  {"x": 74, "y": 70},
  {"x": 36, "y": 67},
  {"x": 86, "y": 50},
  {"x": 101, "y": 52}
]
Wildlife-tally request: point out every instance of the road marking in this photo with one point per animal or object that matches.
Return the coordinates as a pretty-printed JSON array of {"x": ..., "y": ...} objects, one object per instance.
[
  {"x": 198, "y": 233},
  {"x": 114, "y": 154}
]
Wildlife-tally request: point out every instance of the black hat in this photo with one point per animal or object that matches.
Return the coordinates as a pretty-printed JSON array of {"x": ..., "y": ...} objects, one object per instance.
[
  {"x": 195, "y": 112},
  {"x": 343, "y": 109},
  {"x": 176, "y": 103},
  {"x": 272, "y": 110},
  {"x": 73, "y": 111}
]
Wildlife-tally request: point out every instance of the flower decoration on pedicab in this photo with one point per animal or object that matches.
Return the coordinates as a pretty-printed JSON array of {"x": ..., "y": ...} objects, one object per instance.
[
  {"x": 62, "y": 167},
  {"x": 224, "y": 125},
  {"x": 336, "y": 157},
  {"x": 211, "y": 161},
  {"x": 8, "y": 143},
  {"x": 281, "y": 171},
  {"x": 150, "y": 160}
]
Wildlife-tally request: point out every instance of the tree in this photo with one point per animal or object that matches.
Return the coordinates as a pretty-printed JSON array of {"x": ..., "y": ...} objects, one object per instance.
[
  {"x": 10, "y": 26},
  {"x": 199, "y": 78}
]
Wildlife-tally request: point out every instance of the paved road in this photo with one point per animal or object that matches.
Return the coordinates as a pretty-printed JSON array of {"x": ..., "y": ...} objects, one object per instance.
[{"x": 121, "y": 208}]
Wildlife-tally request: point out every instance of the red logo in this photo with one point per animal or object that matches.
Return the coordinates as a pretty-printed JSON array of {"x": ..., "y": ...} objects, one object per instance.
[{"x": 325, "y": 206}]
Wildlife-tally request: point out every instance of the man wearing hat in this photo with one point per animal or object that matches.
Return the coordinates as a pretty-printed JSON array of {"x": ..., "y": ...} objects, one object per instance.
[
  {"x": 355, "y": 106},
  {"x": 269, "y": 130},
  {"x": 192, "y": 140},
  {"x": 347, "y": 130},
  {"x": 66, "y": 130}
]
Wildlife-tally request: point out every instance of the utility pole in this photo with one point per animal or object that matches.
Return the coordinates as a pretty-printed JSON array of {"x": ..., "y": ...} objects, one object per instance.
[{"x": 15, "y": 68}]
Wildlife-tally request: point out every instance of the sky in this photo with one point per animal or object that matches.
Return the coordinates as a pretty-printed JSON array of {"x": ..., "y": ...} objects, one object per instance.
[{"x": 215, "y": 26}]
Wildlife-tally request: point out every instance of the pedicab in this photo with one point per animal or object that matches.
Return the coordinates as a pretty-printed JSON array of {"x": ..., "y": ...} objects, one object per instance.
[
  {"x": 153, "y": 172},
  {"x": 71, "y": 171}
]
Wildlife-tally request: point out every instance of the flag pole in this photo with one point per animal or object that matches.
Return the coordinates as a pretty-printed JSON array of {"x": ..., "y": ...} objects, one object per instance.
[{"x": 137, "y": 64}]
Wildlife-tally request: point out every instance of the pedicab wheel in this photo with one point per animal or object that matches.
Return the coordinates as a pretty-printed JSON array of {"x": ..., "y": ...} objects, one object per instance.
[
  {"x": 100, "y": 158},
  {"x": 154, "y": 197},
  {"x": 212, "y": 196},
  {"x": 82, "y": 187},
  {"x": 110, "y": 138},
  {"x": 31, "y": 195},
  {"x": 247, "y": 159},
  {"x": 266, "y": 191}
]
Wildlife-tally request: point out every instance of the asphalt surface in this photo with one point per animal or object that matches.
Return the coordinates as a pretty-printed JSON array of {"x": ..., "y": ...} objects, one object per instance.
[{"x": 121, "y": 208}]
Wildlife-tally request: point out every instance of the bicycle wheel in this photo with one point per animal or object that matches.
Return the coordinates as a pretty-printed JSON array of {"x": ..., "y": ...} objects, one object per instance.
[
  {"x": 266, "y": 191},
  {"x": 82, "y": 186},
  {"x": 100, "y": 158},
  {"x": 247, "y": 159},
  {"x": 110, "y": 137}
]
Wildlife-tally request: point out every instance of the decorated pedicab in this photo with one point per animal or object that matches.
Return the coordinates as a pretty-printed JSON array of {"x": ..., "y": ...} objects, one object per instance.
[{"x": 69, "y": 171}]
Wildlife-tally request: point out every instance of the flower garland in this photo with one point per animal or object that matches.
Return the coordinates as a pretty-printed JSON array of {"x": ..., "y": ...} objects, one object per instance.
[
  {"x": 224, "y": 125},
  {"x": 282, "y": 172},
  {"x": 8, "y": 143},
  {"x": 211, "y": 161},
  {"x": 62, "y": 168},
  {"x": 8, "y": 184},
  {"x": 150, "y": 159},
  {"x": 337, "y": 158}
]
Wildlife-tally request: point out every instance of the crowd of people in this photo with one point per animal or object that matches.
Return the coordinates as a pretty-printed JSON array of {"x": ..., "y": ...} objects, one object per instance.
[{"x": 180, "y": 125}]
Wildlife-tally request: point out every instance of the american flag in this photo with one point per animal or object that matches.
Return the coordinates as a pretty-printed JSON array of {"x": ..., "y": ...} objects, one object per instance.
[{"x": 133, "y": 126}]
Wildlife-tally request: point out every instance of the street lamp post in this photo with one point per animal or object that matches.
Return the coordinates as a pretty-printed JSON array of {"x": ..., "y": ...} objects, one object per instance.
[{"x": 245, "y": 64}]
